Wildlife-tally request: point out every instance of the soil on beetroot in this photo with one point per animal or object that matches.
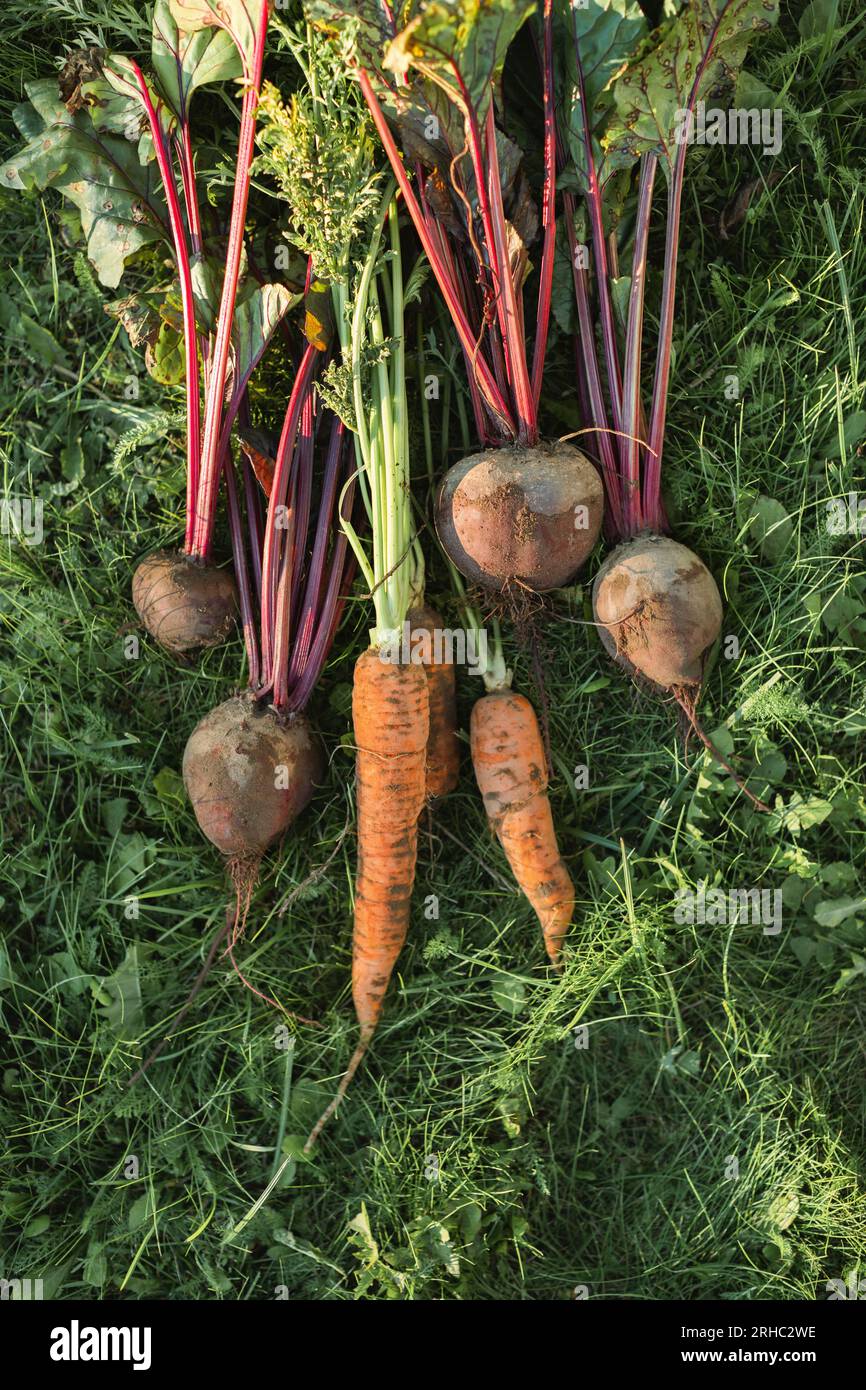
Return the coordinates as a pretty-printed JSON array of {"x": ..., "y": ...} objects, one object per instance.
[
  {"x": 520, "y": 516},
  {"x": 185, "y": 606}
]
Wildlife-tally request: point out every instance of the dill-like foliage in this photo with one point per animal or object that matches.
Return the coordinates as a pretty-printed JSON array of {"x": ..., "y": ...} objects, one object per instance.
[{"x": 318, "y": 148}]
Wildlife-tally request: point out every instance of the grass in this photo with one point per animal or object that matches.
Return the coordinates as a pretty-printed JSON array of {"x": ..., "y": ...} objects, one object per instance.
[{"x": 681, "y": 1115}]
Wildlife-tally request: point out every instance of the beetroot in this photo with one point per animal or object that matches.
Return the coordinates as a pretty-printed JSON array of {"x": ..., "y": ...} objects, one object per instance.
[
  {"x": 248, "y": 774},
  {"x": 183, "y": 603},
  {"x": 658, "y": 609},
  {"x": 525, "y": 516}
]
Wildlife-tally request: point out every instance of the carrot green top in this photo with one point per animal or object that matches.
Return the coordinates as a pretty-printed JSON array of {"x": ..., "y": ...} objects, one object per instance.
[{"x": 343, "y": 213}]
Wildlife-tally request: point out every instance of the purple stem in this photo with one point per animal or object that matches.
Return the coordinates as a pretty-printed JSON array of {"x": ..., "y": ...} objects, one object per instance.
[
  {"x": 631, "y": 411},
  {"x": 548, "y": 211},
  {"x": 312, "y": 592},
  {"x": 493, "y": 398},
  {"x": 339, "y": 580},
  {"x": 596, "y": 217},
  {"x": 510, "y": 322},
  {"x": 236, "y": 530},
  {"x": 283, "y": 468},
  {"x": 598, "y": 413},
  {"x": 206, "y": 501},
  {"x": 253, "y": 502},
  {"x": 303, "y": 501},
  {"x": 283, "y": 612},
  {"x": 190, "y": 337},
  {"x": 652, "y": 505}
]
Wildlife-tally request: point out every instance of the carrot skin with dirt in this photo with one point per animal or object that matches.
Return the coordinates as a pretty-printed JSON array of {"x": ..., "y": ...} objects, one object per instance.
[
  {"x": 511, "y": 771},
  {"x": 390, "y": 712},
  {"x": 391, "y": 716},
  {"x": 443, "y": 745}
]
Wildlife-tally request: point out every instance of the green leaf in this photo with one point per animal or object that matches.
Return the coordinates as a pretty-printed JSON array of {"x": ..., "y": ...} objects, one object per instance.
[
  {"x": 185, "y": 60},
  {"x": 853, "y": 430},
  {"x": 654, "y": 93},
  {"x": 824, "y": 954},
  {"x": 562, "y": 300},
  {"x": 95, "y": 1272},
  {"x": 37, "y": 1226},
  {"x": 596, "y": 40},
  {"x": 830, "y": 912},
  {"x": 254, "y": 324},
  {"x": 799, "y": 814},
  {"x": 238, "y": 19},
  {"x": 770, "y": 527},
  {"x": 126, "y": 81},
  {"x": 165, "y": 359},
  {"x": 133, "y": 855},
  {"x": 783, "y": 1210},
  {"x": 819, "y": 18},
  {"x": 206, "y": 274},
  {"x": 168, "y": 786},
  {"x": 620, "y": 289},
  {"x": 114, "y": 814},
  {"x": 139, "y": 1212},
  {"x": 27, "y": 120},
  {"x": 508, "y": 994},
  {"x": 117, "y": 198},
  {"x": 804, "y": 948},
  {"x": 460, "y": 46},
  {"x": 41, "y": 345},
  {"x": 5, "y": 968},
  {"x": 72, "y": 461},
  {"x": 119, "y": 998},
  {"x": 850, "y": 973}
]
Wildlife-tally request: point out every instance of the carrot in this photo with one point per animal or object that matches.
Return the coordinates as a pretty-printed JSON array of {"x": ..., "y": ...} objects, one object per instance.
[
  {"x": 443, "y": 746},
  {"x": 511, "y": 771},
  {"x": 390, "y": 712}
]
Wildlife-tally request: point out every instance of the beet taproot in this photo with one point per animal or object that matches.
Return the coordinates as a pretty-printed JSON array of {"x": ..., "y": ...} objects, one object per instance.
[
  {"x": 184, "y": 604},
  {"x": 526, "y": 516},
  {"x": 659, "y": 610},
  {"x": 248, "y": 774}
]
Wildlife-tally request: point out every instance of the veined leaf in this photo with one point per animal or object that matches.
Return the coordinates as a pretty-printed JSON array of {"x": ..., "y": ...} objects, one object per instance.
[
  {"x": 603, "y": 35},
  {"x": 206, "y": 273},
  {"x": 596, "y": 41},
  {"x": 698, "y": 55},
  {"x": 254, "y": 323},
  {"x": 239, "y": 19},
  {"x": 318, "y": 316},
  {"x": 364, "y": 27},
  {"x": 118, "y": 199},
  {"x": 184, "y": 60},
  {"x": 121, "y": 74},
  {"x": 164, "y": 357},
  {"x": 460, "y": 46}
]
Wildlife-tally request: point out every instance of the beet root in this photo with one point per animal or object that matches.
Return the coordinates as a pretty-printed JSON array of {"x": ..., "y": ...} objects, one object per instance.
[
  {"x": 529, "y": 516},
  {"x": 248, "y": 775},
  {"x": 658, "y": 609},
  {"x": 183, "y": 604}
]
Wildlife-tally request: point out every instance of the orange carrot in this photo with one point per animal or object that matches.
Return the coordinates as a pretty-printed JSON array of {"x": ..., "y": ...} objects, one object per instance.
[
  {"x": 443, "y": 745},
  {"x": 511, "y": 771},
  {"x": 390, "y": 711}
]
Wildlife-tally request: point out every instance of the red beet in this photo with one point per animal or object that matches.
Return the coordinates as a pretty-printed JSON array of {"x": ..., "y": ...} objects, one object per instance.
[{"x": 184, "y": 604}]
